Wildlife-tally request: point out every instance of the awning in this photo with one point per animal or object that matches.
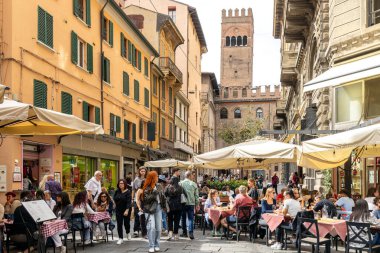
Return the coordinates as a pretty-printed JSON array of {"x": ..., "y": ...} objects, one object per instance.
[
  {"x": 167, "y": 164},
  {"x": 345, "y": 73}
]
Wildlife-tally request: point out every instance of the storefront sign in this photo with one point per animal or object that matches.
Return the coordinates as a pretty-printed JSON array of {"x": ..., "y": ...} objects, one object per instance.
[
  {"x": 45, "y": 162},
  {"x": 16, "y": 177},
  {"x": 17, "y": 169}
]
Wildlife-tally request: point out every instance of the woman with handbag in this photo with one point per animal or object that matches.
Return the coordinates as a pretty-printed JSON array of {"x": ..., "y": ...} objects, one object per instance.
[
  {"x": 123, "y": 201},
  {"x": 154, "y": 202},
  {"x": 173, "y": 194}
]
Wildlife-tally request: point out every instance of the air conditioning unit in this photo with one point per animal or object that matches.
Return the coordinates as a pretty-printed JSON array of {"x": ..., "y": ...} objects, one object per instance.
[{"x": 30, "y": 148}]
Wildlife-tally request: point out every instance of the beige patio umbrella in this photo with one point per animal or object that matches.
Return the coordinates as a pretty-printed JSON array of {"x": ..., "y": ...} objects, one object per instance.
[
  {"x": 334, "y": 150},
  {"x": 23, "y": 119},
  {"x": 253, "y": 154},
  {"x": 167, "y": 163}
]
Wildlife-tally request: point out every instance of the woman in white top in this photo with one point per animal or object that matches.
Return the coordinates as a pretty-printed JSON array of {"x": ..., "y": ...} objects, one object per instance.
[
  {"x": 371, "y": 194},
  {"x": 81, "y": 206}
]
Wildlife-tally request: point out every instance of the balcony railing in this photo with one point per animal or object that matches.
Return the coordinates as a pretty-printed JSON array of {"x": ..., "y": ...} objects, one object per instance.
[
  {"x": 183, "y": 146},
  {"x": 166, "y": 64},
  {"x": 374, "y": 17}
]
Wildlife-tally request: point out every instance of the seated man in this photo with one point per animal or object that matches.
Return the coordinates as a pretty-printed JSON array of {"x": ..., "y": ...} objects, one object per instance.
[
  {"x": 11, "y": 205},
  {"x": 345, "y": 202},
  {"x": 241, "y": 200},
  {"x": 325, "y": 204}
]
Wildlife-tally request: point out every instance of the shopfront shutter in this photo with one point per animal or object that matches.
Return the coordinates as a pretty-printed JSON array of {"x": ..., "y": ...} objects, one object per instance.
[
  {"x": 66, "y": 103},
  {"x": 90, "y": 62},
  {"x": 111, "y": 33},
  {"x": 88, "y": 12},
  {"x": 97, "y": 115},
  {"x": 40, "y": 94},
  {"x": 74, "y": 48},
  {"x": 86, "y": 116}
]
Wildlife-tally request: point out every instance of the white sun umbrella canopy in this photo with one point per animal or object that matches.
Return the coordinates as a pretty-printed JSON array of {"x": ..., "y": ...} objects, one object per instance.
[
  {"x": 23, "y": 119},
  {"x": 167, "y": 163},
  {"x": 334, "y": 150},
  {"x": 251, "y": 154}
]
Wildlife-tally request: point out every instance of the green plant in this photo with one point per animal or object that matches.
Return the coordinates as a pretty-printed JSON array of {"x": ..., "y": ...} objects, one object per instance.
[
  {"x": 238, "y": 132},
  {"x": 327, "y": 180},
  {"x": 233, "y": 184}
]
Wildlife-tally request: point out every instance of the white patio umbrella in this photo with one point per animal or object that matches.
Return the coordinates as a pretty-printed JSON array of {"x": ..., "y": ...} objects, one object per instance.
[
  {"x": 23, "y": 119},
  {"x": 334, "y": 150},
  {"x": 167, "y": 163},
  {"x": 248, "y": 155}
]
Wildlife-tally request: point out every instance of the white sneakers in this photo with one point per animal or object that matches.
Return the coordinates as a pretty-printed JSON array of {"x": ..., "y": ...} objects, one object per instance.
[
  {"x": 151, "y": 250},
  {"x": 277, "y": 245},
  {"x": 120, "y": 241},
  {"x": 156, "y": 249},
  {"x": 87, "y": 242},
  {"x": 129, "y": 236}
]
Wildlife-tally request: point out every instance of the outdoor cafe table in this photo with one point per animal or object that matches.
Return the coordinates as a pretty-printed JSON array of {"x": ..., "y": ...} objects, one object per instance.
[
  {"x": 274, "y": 220},
  {"x": 99, "y": 216},
  {"x": 330, "y": 226},
  {"x": 215, "y": 213},
  {"x": 50, "y": 228}
]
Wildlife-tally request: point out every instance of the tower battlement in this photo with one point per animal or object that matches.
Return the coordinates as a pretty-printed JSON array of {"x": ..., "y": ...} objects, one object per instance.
[
  {"x": 248, "y": 92},
  {"x": 236, "y": 13}
]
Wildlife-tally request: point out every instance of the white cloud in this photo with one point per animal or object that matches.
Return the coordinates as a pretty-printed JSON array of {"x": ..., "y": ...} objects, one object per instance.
[{"x": 266, "y": 61}]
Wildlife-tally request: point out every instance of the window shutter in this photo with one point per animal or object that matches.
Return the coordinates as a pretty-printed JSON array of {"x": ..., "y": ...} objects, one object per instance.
[
  {"x": 108, "y": 71},
  {"x": 170, "y": 96},
  {"x": 86, "y": 116},
  {"x": 49, "y": 30},
  {"x": 111, "y": 33},
  {"x": 122, "y": 45},
  {"x": 126, "y": 130},
  {"x": 41, "y": 25},
  {"x": 118, "y": 126},
  {"x": 146, "y": 97},
  {"x": 133, "y": 132},
  {"x": 74, "y": 48},
  {"x": 141, "y": 129},
  {"x": 76, "y": 7},
  {"x": 66, "y": 103},
  {"x": 146, "y": 67},
  {"x": 137, "y": 91},
  {"x": 88, "y": 12},
  {"x": 126, "y": 83},
  {"x": 133, "y": 55},
  {"x": 129, "y": 51},
  {"x": 40, "y": 94},
  {"x": 139, "y": 60},
  {"x": 90, "y": 67},
  {"x": 97, "y": 115}
]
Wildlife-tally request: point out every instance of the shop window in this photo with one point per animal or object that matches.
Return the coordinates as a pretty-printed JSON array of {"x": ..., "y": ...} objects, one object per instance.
[
  {"x": 228, "y": 41},
  {"x": 82, "y": 9},
  {"x": 372, "y": 91},
  {"x": 109, "y": 168},
  {"x": 237, "y": 113},
  {"x": 259, "y": 113},
  {"x": 107, "y": 31},
  {"x": 239, "y": 41},
  {"x": 223, "y": 113},
  {"x": 245, "y": 40},
  {"x": 348, "y": 103},
  {"x": 233, "y": 41},
  {"x": 373, "y": 12}
]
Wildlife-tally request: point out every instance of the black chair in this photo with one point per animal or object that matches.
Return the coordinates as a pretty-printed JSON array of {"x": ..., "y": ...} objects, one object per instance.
[
  {"x": 304, "y": 235},
  {"x": 77, "y": 225},
  {"x": 360, "y": 234},
  {"x": 17, "y": 229},
  {"x": 200, "y": 217},
  {"x": 290, "y": 229},
  {"x": 244, "y": 212}
]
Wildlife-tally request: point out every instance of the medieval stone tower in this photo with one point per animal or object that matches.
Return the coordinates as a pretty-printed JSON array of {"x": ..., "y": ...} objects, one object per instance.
[{"x": 236, "y": 48}]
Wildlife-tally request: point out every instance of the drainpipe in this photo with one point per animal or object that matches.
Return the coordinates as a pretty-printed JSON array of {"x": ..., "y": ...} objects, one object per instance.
[
  {"x": 151, "y": 93},
  {"x": 101, "y": 63},
  {"x": 187, "y": 80},
  {"x": 159, "y": 111}
]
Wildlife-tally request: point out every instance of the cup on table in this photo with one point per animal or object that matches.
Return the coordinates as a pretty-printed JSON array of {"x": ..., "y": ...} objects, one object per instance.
[{"x": 335, "y": 218}]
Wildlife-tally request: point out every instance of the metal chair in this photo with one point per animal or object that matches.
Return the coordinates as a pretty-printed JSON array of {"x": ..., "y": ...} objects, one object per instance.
[
  {"x": 77, "y": 224},
  {"x": 305, "y": 235},
  {"x": 359, "y": 237},
  {"x": 19, "y": 229},
  {"x": 242, "y": 220}
]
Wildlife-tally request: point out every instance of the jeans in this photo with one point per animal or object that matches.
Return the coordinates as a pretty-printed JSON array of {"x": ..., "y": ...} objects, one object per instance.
[
  {"x": 57, "y": 239},
  {"x": 120, "y": 219},
  {"x": 189, "y": 212},
  {"x": 153, "y": 225},
  {"x": 136, "y": 225},
  {"x": 164, "y": 220},
  {"x": 87, "y": 227},
  {"x": 174, "y": 217}
]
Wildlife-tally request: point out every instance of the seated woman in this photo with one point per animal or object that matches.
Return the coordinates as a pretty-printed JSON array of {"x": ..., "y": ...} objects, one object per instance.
[
  {"x": 268, "y": 202},
  {"x": 102, "y": 205},
  {"x": 81, "y": 205},
  {"x": 361, "y": 214},
  {"x": 241, "y": 200},
  {"x": 204, "y": 192},
  {"x": 212, "y": 201},
  {"x": 376, "y": 211}
]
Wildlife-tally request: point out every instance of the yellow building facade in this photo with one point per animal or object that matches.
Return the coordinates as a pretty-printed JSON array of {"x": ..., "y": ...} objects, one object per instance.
[{"x": 81, "y": 57}]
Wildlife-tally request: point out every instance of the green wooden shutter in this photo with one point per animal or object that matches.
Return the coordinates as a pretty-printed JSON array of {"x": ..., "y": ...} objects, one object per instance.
[
  {"x": 126, "y": 130},
  {"x": 88, "y": 12},
  {"x": 146, "y": 67},
  {"x": 133, "y": 55},
  {"x": 74, "y": 48},
  {"x": 49, "y": 30},
  {"x": 41, "y": 25},
  {"x": 170, "y": 96},
  {"x": 137, "y": 91},
  {"x": 141, "y": 129},
  {"x": 133, "y": 132},
  {"x": 86, "y": 116},
  {"x": 110, "y": 32},
  {"x": 126, "y": 83},
  {"x": 108, "y": 71},
  {"x": 163, "y": 128},
  {"x": 97, "y": 115},
  {"x": 163, "y": 91},
  {"x": 146, "y": 97},
  {"x": 129, "y": 51},
  {"x": 118, "y": 126},
  {"x": 122, "y": 45},
  {"x": 76, "y": 7},
  {"x": 139, "y": 60},
  {"x": 90, "y": 62},
  {"x": 40, "y": 94},
  {"x": 66, "y": 103}
]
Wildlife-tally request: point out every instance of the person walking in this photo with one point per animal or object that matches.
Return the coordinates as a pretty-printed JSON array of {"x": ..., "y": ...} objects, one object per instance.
[
  {"x": 135, "y": 187},
  {"x": 275, "y": 181},
  {"x": 173, "y": 194},
  {"x": 154, "y": 202},
  {"x": 53, "y": 186},
  {"x": 191, "y": 190},
  {"x": 94, "y": 188},
  {"x": 123, "y": 201}
]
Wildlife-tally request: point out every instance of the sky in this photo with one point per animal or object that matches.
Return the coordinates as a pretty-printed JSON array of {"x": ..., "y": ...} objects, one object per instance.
[{"x": 266, "y": 59}]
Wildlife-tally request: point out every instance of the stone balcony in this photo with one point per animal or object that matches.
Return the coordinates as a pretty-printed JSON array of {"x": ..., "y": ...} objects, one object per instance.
[
  {"x": 183, "y": 146},
  {"x": 298, "y": 15},
  {"x": 289, "y": 64},
  {"x": 281, "y": 108},
  {"x": 169, "y": 68}
]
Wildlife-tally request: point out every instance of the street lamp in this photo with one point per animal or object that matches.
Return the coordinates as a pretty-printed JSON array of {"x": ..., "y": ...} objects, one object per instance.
[{"x": 3, "y": 88}]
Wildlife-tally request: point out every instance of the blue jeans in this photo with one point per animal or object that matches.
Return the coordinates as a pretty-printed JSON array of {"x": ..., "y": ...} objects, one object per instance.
[
  {"x": 164, "y": 220},
  {"x": 153, "y": 226},
  {"x": 189, "y": 212}
]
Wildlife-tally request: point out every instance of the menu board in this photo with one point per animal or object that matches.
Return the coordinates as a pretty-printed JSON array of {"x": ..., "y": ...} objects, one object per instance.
[{"x": 39, "y": 210}]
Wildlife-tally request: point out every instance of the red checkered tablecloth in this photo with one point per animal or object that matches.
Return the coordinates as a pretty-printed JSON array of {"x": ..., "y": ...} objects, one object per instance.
[
  {"x": 99, "y": 216},
  {"x": 50, "y": 228}
]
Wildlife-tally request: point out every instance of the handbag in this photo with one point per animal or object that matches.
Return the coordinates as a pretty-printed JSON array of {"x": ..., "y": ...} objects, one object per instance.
[{"x": 183, "y": 198}]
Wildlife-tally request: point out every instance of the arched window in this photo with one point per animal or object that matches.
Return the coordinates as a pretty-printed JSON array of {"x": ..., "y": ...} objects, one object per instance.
[
  {"x": 245, "y": 40},
  {"x": 233, "y": 41},
  {"x": 237, "y": 113},
  {"x": 225, "y": 93},
  {"x": 235, "y": 93},
  {"x": 228, "y": 41},
  {"x": 244, "y": 92},
  {"x": 259, "y": 113},
  {"x": 223, "y": 113},
  {"x": 239, "y": 42}
]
